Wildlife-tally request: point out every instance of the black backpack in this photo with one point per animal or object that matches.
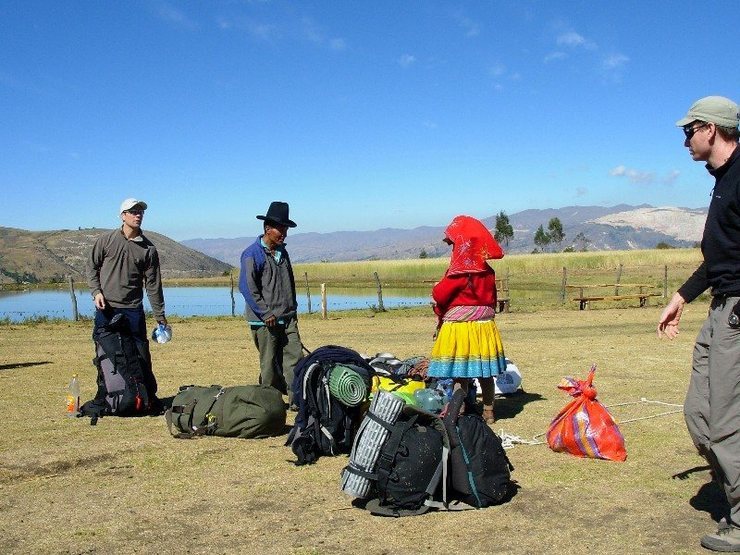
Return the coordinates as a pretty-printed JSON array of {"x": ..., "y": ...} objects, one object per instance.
[
  {"x": 411, "y": 467},
  {"x": 126, "y": 383},
  {"x": 479, "y": 470},
  {"x": 324, "y": 425}
]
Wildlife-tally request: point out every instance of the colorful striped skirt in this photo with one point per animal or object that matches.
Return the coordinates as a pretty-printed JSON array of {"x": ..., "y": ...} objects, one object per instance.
[{"x": 467, "y": 350}]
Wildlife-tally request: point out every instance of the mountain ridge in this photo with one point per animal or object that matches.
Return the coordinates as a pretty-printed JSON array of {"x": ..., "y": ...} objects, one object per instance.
[
  {"x": 50, "y": 256},
  {"x": 617, "y": 227}
]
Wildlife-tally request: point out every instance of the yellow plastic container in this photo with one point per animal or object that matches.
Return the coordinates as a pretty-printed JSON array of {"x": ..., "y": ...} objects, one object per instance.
[{"x": 402, "y": 387}]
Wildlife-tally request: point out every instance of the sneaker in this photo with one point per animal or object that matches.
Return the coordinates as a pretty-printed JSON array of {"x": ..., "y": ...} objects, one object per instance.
[
  {"x": 723, "y": 524},
  {"x": 726, "y": 540}
]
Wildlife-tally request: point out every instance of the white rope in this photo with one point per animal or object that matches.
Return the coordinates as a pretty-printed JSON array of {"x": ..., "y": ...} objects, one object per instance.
[
  {"x": 643, "y": 400},
  {"x": 509, "y": 441}
]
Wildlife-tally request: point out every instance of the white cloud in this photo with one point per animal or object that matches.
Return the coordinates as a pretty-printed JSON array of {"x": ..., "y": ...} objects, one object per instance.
[
  {"x": 615, "y": 61},
  {"x": 497, "y": 70},
  {"x": 552, "y": 56},
  {"x": 671, "y": 177},
  {"x": 634, "y": 176},
  {"x": 571, "y": 38},
  {"x": 471, "y": 28},
  {"x": 174, "y": 16},
  {"x": 337, "y": 44},
  {"x": 255, "y": 29},
  {"x": 259, "y": 31},
  {"x": 406, "y": 60},
  {"x": 311, "y": 31}
]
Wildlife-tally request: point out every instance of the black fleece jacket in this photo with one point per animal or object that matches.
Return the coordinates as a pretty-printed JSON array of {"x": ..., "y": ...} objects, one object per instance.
[{"x": 720, "y": 243}]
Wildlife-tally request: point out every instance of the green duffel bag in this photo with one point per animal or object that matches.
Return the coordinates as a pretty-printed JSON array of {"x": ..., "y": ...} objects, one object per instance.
[{"x": 245, "y": 411}]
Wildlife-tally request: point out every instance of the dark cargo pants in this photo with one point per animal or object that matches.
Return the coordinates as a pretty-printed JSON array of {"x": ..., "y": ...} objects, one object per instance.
[
  {"x": 279, "y": 349},
  {"x": 712, "y": 406}
]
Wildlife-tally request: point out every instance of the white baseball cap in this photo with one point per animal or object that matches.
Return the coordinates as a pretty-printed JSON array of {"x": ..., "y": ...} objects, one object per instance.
[{"x": 130, "y": 203}]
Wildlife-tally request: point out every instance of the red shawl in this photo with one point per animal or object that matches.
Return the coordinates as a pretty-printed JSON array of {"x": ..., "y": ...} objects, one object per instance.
[{"x": 472, "y": 245}]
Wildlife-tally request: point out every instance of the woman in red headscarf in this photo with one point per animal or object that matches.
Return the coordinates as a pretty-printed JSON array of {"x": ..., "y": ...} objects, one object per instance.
[{"x": 468, "y": 344}]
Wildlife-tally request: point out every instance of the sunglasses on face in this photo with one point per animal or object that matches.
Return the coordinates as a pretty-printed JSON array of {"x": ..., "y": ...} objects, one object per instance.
[
  {"x": 689, "y": 130},
  {"x": 135, "y": 212}
]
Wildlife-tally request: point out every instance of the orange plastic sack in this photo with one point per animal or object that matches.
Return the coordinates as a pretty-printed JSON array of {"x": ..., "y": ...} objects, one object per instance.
[{"x": 584, "y": 427}]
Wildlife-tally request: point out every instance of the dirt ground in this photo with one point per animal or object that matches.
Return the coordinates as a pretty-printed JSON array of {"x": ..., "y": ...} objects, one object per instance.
[{"x": 126, "y": 486}]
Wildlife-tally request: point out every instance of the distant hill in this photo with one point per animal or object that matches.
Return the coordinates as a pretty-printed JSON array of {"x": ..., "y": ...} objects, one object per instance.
[
  {"x": 43, "y": 256},
  {"x": 600, "y": 228}
]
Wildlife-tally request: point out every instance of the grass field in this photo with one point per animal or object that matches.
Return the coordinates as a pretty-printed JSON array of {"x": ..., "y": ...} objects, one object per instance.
[
  {"x": 519, "y": 267},
  {"x": 126, "y": 486}
]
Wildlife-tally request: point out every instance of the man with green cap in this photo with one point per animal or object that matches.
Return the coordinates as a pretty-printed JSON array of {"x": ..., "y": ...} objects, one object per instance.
[{"x": 712, "y": 406}]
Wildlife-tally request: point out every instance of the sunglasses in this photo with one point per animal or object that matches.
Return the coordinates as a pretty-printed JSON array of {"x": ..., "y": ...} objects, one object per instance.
[
  {"x": 689, "y": 130},
  {"x": 135, "y": 212}
]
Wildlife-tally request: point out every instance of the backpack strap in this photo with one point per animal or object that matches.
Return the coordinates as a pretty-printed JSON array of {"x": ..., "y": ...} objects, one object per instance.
[
  {"x": 453, "y": 410},
  {"x": 388, "y": 453},
  {"x": 466, "y": 458},
  {"x": 204, "y": 428}
]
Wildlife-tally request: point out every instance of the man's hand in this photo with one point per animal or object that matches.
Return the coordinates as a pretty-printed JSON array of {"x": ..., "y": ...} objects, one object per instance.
[
  {"x": 99, "y": 301},
  {"x": 668, "y": 323},
  {"x": 269, "y": 322}
]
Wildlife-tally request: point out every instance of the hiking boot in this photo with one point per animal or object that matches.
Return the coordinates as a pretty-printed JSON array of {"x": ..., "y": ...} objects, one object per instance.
[{"x": 726, "y": 540}]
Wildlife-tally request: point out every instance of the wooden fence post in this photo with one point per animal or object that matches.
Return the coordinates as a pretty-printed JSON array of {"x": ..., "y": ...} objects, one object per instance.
[
  {"x": 617, "y": 280},
  {"x": 381, "y": 308},
  {"x": 308, "y": 292},
  {"x": 233, "y": 302},
  {"x": 75, "y": 315},
  {"x": 665, "y": 281},
  {"x": 323, "y": 301},
  {"x": 565, "y": 283}
]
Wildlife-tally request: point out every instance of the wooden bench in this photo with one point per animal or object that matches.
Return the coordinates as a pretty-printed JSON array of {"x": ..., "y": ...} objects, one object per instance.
[
  {"x": 644, "y": 292},
  {"x": 502, "y": 295}
]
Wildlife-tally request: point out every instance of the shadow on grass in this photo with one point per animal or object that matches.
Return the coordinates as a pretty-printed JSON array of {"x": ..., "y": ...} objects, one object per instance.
[
  {"x": 508, "y": 406},
  {"x": 23, "y": 364},
  {"x": 711, "y": 499}
]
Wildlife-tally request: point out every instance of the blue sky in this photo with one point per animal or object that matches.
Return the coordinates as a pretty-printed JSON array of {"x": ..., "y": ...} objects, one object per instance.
[{"x": 360, "y": 114}]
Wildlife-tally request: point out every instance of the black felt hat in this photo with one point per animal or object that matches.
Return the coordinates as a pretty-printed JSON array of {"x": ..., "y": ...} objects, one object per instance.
[{"x": 278, "y": 213}]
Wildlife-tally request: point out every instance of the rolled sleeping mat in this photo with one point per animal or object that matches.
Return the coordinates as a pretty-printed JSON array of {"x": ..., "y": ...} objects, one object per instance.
[
  {"x": 347, "y": 385},
  {"x": 369, "y": 440}
]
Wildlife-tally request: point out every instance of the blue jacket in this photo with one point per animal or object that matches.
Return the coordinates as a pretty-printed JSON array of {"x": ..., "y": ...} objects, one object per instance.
[{"x": 267, "y": 284}]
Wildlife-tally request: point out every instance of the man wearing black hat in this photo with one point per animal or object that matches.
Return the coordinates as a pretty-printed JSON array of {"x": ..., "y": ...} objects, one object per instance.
[
  {"x": 712, "y": 406},
  {"x": 267, "y": 283}
]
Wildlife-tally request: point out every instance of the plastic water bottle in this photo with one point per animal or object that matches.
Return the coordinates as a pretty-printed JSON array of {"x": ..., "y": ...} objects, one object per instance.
[
  {"x": 162, "y": 333},
  {"x": 431, "y": 400},
  {"x": 73, "y": 396}
]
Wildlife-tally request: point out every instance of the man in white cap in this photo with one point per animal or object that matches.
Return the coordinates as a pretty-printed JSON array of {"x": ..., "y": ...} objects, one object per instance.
[
  {"x": 122, "y": 264},
  {"x": 712, "y": 406},
  {"x": 267, "y": 283}
]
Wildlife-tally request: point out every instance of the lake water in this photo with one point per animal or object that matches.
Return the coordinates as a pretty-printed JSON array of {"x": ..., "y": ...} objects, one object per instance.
[{"x": 199, "y": 301}]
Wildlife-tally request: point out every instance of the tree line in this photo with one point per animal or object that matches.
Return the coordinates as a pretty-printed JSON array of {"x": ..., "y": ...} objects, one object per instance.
[{"x": 552, "y": 239}]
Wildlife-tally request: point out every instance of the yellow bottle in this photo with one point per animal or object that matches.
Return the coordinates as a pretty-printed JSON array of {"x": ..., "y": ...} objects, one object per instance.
[{"x": 73, "y": 396}]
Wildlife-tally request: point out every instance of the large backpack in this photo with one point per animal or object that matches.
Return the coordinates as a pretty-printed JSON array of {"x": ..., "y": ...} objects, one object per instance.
[
  {"x": 126, "y": 383},
  {"x": 324, "y": 425},
  {"x": 480, "y": 471},
  {"x": 411, "y": 469},
  {"x": 247, "y": 411}
]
